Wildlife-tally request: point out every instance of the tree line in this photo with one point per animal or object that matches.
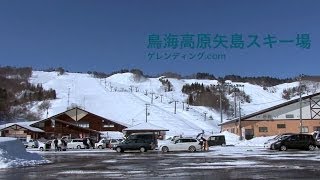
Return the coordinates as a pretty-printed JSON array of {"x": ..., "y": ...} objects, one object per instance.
[{"x": 16, "y": 93}]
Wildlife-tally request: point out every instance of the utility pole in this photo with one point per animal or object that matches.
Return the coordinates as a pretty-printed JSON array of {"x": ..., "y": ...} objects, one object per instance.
[
  {"x": 77, "y": 116},
  {"x": 183, "y": 106},
  {"x": 205, "y": 116},
  {"x": 221, "y": 89},
  {"x": 175, "y": 107},
  {"x": 240, "y": 121},
  {"x": 300, "y": 102},
  {"x": 235, "y": 104},
  {"x": 152, "y": 93},
  {"x": 147, "y": 112},
  {"x": 84, "y": 103},
  {"x": 68, "y": 96},
  {"x": 220, "y": 111},
  {"x": 161, "y": 97}
]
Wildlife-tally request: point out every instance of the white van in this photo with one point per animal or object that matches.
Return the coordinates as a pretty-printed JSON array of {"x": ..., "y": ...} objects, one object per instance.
[{"x": 76, "y": 144}]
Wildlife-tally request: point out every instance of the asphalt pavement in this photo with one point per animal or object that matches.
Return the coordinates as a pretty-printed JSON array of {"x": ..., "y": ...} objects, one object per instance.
[{"x": 218, "y": 163}]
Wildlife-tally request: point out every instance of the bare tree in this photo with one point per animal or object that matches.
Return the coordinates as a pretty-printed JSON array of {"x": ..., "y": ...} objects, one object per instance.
[{"x": 45, "y": 106}]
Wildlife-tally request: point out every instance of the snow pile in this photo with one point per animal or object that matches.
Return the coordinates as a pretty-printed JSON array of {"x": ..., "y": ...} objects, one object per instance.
[
  {"x": 257, "y": 141},
  {"x": 14, "y": 154},
  {"x": 231, "y": 139}
]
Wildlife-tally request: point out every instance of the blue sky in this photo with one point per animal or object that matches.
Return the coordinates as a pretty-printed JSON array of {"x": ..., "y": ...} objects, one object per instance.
[{"x": 112, "y": 35}]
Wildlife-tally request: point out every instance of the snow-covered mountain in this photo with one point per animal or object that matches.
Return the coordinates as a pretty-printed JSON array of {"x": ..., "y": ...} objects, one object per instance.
[{"x": 112, "y": 98}]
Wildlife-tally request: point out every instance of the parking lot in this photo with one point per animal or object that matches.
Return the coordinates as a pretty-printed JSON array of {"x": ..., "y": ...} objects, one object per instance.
[{"x": 218, "y": 163}]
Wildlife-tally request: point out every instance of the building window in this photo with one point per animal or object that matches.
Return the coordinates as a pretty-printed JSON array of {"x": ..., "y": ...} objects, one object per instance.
[
  {"x": 281, "y": 126},
  {"x": 289, "y": 116},
  {"x": 84, "y": 125},
  {"x": 264, "y": 116},
  {"x": 232, "y": 130},
  {"x": 269, "y": 116},
  {"x": 108, "y": 125},
  {"x": 316, "y": 128},
  {"x": 263, "y": 129},
  {"x": 305, "y": 129},
  {"x": 41, "y": 125}
]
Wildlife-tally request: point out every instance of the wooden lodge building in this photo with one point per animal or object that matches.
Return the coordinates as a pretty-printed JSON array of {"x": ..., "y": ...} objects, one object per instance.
[
  {"x": 75, "y": 123},
  {"x": 282, "y": 118},
  {"x": 21, "y": 130}
]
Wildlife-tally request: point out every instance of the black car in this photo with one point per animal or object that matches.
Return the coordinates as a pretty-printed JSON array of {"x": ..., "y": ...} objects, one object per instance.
[
  {"x": 150, "y": 138},
  {"x": 218, "y": 140},
  {"x": 295, "y": 141},
  {"x": 316, "y": 136},
  {"x": 133, "y": 144}
]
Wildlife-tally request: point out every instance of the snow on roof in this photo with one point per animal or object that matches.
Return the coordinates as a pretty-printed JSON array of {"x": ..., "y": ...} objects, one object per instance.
[
  {"x": 278, "y": 106},
  {"x": 112, "y": 134},
  {"x": 25, "y": 125},
  {"x": 145, "y": 126}
]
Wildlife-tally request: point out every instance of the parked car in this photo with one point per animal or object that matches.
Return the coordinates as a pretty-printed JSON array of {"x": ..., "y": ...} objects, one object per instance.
[
  {"x": 29, "y": 144},
  {"x": 101, "y": 144},
  {"x": 76, "y": 144},
  {"x": 316, "y": 136},
  {"x": 217, "y": 140},
  {"x": 45, "y": 146},
  {"x": 33, "y": 143},
  {"x": 268, "y": 143},
  {"x": 150, "y": 138},
  {"x": 113, "y": 143},
  {"x": 133, "y": 144},
  {"x": 24, "y": 142},
  {"x": 295, "y": 141},
  {"x": 182, "y": 144}
]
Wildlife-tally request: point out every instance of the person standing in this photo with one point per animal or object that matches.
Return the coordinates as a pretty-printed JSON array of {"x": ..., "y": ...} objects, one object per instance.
[
  {"x": 204, "y": 144},
  {"x": 55, "y": 141},
  {"x": 85, "y": 143},
  {"x": 88, "y": 143}
]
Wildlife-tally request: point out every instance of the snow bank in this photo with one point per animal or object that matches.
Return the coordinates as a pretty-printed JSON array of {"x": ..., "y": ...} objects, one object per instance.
[
  {"x": 233, "y": 139},
  {"x": 258, "y": 141},
  {"x": 14, "y": 154}
]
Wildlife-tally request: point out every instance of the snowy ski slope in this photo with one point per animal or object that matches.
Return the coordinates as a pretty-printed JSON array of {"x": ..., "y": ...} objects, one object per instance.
[{"x": 113, "y": 99}]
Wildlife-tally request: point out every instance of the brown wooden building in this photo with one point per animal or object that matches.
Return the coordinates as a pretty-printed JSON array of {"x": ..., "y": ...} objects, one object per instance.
[
  {"x": 85, "y": 119},
  {"x": 282, "y": 118},
  {"x": 74, "y": 123},
  {"x": 77, "y": 123},
  {"x": 55, "y": 128},
  {"x": 21, "y": 130}
]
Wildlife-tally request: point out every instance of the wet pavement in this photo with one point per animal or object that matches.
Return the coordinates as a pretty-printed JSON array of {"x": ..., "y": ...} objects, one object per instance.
[{"x": 218, "y": 163}]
